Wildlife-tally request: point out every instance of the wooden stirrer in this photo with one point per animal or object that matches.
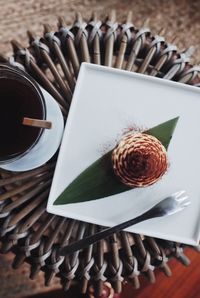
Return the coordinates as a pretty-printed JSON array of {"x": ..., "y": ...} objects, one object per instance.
[{"x": 37, "y": 123}]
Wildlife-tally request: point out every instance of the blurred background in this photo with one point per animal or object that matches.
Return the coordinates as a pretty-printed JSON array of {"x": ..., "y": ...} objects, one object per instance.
[{"x": 178, "y": 20}]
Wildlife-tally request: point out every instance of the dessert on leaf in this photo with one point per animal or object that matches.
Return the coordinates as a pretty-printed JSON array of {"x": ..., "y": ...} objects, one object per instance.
[{"x": 138, "y": 160}]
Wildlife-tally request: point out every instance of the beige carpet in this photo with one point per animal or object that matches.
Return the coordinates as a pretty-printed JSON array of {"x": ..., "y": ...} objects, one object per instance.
[{"x": 180, "y": 18}]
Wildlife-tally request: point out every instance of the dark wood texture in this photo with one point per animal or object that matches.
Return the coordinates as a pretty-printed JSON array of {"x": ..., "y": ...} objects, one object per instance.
[{"x": 184, "y": 282}]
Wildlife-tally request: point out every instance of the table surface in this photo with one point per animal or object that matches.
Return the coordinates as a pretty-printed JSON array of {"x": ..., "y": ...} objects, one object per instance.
[{"x": 180, "y": 19}]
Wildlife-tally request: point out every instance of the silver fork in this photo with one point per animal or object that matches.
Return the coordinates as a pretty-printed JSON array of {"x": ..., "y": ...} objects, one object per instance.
[{"x": 170, "y": 205}]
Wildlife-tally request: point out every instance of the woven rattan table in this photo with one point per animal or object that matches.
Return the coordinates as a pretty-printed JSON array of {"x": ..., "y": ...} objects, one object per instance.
[{"x": 26, "y": 228}]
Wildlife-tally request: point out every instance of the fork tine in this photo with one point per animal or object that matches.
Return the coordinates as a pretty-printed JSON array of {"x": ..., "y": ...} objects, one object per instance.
[
  {"x": 179, "y": 194},
  {"x": 182, "y": 199},
  {"x": 185, "y": 203}
]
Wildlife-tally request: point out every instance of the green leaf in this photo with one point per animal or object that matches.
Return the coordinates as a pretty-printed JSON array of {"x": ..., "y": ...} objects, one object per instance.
[
  {"x": 164, "y": 132},
  {"x": 99, "y": 181}
]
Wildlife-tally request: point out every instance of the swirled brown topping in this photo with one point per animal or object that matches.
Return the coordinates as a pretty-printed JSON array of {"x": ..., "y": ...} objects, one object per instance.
[{"x": 139, "y": 160}]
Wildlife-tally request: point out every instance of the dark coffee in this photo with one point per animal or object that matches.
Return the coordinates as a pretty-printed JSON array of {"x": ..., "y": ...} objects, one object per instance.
[{"x": 18, "y": 99}]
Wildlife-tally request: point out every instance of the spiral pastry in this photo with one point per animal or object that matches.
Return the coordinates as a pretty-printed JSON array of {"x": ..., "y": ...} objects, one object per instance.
[{"x": 139, "y": 160}]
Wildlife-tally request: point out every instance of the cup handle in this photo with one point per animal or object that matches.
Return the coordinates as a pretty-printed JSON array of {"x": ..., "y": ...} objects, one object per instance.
[{"x": 37, "y": 123}]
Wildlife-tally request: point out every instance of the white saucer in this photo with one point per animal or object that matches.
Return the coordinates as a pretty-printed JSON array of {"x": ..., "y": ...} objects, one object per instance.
[{"x": 48, "y": 143}]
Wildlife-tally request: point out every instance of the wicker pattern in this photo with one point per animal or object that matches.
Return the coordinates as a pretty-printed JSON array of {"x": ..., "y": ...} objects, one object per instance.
[
  {"x": 139, "y": 160},
  {"x": 25, "y": 227}
]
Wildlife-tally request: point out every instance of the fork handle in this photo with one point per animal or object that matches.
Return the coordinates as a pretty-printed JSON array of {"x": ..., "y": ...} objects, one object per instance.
[{"x": 80, "y": 244}]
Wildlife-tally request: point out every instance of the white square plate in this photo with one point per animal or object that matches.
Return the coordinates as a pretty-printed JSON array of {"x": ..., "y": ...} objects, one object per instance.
[{"x": 108, "y": 102}]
